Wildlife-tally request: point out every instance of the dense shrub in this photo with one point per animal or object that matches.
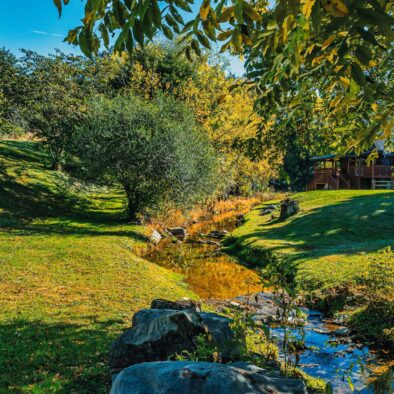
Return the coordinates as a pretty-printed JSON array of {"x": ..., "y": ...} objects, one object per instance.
[{"x": 153, "y": 149}]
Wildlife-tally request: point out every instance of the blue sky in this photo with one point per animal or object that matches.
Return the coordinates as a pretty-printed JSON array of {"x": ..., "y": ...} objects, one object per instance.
[{"x": 35, "y": 25}]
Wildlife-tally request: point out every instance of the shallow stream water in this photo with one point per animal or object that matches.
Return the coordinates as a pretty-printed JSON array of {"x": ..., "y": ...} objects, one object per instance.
[{"x": 213, "y": 274}]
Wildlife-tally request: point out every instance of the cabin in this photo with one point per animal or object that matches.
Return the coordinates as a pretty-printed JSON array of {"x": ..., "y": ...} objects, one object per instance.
[{"x": 354, "y": 171}]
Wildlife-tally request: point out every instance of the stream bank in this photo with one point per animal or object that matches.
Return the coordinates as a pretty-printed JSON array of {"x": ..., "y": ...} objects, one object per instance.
[{"x": 341, "y": 359}]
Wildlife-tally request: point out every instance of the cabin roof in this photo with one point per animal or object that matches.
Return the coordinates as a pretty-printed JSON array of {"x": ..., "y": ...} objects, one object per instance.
[
  {"x": 324, "y": 157},
  {"x": 379, "y": 145}
]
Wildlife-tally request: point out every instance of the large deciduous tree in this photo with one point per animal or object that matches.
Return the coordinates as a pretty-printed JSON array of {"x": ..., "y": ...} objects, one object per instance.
[
  {"x": 153, "y": 149},
  {"x": 57, "y": 89}
]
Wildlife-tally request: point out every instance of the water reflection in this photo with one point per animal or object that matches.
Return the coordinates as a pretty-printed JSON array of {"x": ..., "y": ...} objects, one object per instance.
[{"x": 209, "y": 273}]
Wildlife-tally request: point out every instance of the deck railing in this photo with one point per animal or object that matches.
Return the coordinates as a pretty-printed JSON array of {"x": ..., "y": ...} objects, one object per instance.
[
  {"x": 322, "y": 175},
  {"x": 375, "y": 171}
]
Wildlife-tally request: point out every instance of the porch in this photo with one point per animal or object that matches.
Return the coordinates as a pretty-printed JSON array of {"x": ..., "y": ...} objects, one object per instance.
[{"x": 351, "y": 173}]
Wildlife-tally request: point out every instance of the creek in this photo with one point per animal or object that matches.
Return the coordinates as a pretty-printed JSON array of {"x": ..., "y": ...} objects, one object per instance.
[{"x": 349, "y": 365}]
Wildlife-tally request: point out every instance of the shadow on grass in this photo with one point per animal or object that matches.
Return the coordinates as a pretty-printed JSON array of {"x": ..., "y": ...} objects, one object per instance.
[
  {"x": 24, "y": 151},
  {"x": 359, "y": 223},
  {"x": 47, "y": 197},
  {"x": 62, "y": 358}
]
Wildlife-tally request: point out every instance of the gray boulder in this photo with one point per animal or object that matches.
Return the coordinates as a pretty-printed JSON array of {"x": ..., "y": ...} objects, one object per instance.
[
  {"x": 156, "y": 340},
  {"x": 271, "y": 207},
  {"x": 155, "y": 237},
  {"x": 181, "y": 377},
  {"x": 217, "y": 234},
  {"x": 217, "y": 326},
  {"x": 288, "y": 207},
  {"x": 178, "y": 232},
  {"x": 179, "y": 305}
]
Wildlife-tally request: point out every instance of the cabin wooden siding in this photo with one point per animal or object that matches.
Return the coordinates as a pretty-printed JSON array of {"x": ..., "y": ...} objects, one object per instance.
[{"x": 352, "y": 173}]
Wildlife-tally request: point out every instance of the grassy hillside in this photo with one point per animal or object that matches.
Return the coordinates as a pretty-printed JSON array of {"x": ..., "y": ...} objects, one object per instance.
[
  {"x": 70, "y": 276},
  {"x": 327, "y": 239},
  {"x": 326, "y": 247}
]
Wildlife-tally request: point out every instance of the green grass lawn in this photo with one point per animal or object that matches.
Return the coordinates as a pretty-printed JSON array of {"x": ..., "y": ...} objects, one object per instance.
[
  {"x": 325, "y": 249},
  {"x": 326, "y": 240},
  {"x": 70, "y": 276}
]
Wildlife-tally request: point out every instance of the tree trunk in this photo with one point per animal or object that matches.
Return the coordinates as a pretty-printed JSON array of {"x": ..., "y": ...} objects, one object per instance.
[
  {"x": 55, "y": 165},
  {"x": 132, "y": 203},
  {"x": 56, "y": 155}
]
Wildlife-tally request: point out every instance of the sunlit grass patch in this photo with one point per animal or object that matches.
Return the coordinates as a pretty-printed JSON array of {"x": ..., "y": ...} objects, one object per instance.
[{"x": 70, "y": 276}]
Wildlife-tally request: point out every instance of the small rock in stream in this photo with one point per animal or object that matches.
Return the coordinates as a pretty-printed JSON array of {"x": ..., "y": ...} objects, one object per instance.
[
  {"x": 155, "y": 237},
  {"x": 208, "y": 242},
  {"x": 217, "y": 234},
  {"x": 343, "y": 331},
  {"x": 180, "y": 305},
  {"x": 178, "y": 232}
]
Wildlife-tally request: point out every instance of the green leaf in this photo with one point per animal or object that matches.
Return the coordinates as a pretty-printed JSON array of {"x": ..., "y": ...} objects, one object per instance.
[
  {"x": 104, "y": 34},
  {"x": 58, "y": 4},
  {"x": 209, "y": 30},
  {"x": 170, "y": 20},
  {"x": 138, "y": 32},
  {"x": 72, "y": 37},
  {"x": 316, "y": 16},
  {"x": 147, "y": 24},
  {"x": 363, "y": 55},
  {"x": 119, "y": 12},
  {"x": 156, "y": 13},
  {"x": 130, "y": 4},
  {"x": 224, "y": 35},
  {"x": 183, "y": 5},
  {"x": 188, "y": 54},
  {"x": 85, "y": 43},
  {"x": 237, "y": 40},
  {"x": 167, "y": 32},
  {"x": 119, "y": 43},
  {"x": 176, "y": 15},
  {"x": 343, "y": 49},
  {"x": 203, "y": 40},
  {"x": 129, "y": 41},
  {"x": 196, "y": 47},
  {"x": 253, "y": 74},
  {"x": 358, "y": 74},
  {"x": 187, "y": 26},
  {"x": 238, "y": 11}
]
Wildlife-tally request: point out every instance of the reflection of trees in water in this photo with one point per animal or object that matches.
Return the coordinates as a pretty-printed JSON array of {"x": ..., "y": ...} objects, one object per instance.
[
  {"x": 209, "y": 272},
  {"x": 219, "y": 277}
]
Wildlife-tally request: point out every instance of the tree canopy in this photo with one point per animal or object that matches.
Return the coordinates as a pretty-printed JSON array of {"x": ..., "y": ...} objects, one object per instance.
[
  {"x": 342, "y": 44},
  {"x": 153, "y": 149}
]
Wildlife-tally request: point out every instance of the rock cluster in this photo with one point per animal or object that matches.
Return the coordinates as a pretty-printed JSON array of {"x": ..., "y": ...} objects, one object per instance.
[
  {"x": 178, "y": 232},
  {"x": 263, "y": 306},
  {"x": 139, "y": 357},
  {"x": 166, "y": 329},
  {"x": 267, "y": 210}
]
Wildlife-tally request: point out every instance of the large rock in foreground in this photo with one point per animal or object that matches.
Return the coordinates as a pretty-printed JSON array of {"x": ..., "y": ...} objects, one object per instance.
[
  {"x": 217, "y": 326},
  {"x": 156, "y": 340},
  {"x": 181, "y": 377}
]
